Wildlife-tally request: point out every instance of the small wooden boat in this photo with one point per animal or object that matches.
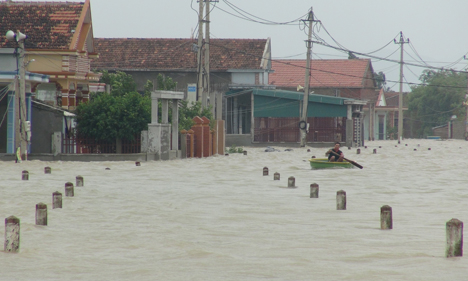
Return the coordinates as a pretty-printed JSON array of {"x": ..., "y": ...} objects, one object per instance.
[{"x": 322, "y": 163}]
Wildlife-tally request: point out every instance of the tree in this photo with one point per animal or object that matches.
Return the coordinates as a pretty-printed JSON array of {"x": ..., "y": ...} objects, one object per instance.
[
  {"x": 380, "y": 80},
  {"x": 109, "y": 117},
  {"x": 124, "y": 113},
  {"x": 119, "y": 115},
  {"x": 437, "y": 99},
  {"x": 188, "y": 112},
  {"x": 120, "y": 82}
]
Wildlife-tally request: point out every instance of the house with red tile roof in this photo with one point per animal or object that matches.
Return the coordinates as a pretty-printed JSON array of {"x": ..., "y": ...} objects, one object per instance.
[
  {"x": 234, "y": 63},
  {"x": 58, "y": 50},
  {"x": 346, "y": 78},
  {"x": 350, "y": 78},
  {"x": 59, "y": 44}
]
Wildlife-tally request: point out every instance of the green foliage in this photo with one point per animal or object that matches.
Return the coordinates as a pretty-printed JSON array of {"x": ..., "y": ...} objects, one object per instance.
[
  {"x": 108, "y": 117},
  {"x": 188, "y": 112},
  {"x": 165, "y": 83},
  {"x": 120, "y": 82},
  {"x": 234, "y": 149},
  {"x": 380, "y": 80},
  {"x": 124, "y": 112},
  {"x": 147, "y": 88},
  {"x": 439, "y": 97}
]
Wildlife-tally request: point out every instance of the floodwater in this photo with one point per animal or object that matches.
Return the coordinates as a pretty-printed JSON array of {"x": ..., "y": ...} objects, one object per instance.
[{"x": 219, "y": 218}]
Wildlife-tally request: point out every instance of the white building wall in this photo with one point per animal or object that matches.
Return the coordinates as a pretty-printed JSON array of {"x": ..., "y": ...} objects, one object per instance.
[{"x": 243, "y": 78}]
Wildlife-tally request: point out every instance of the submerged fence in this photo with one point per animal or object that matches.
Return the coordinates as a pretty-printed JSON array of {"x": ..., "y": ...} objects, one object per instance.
[{"x": 80, "y": 145}]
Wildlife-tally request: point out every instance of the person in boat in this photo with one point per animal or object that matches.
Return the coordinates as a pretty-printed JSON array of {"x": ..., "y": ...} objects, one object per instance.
[{"x": 337, "y": 156}]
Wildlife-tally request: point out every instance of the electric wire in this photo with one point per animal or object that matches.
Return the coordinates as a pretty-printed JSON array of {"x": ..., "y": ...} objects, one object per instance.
[{"x": 245, "y": 16}]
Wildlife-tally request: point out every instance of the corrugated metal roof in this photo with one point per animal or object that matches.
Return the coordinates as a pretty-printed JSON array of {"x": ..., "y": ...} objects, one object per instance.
[{"x": 282, "y": 103}]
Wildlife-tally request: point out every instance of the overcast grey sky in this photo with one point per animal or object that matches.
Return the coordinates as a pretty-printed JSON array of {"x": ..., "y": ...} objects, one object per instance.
[{"x": 436, "y": 29}]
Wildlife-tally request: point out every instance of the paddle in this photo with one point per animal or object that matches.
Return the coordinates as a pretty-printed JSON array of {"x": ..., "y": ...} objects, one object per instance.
[{"x": 350, "y": 161}]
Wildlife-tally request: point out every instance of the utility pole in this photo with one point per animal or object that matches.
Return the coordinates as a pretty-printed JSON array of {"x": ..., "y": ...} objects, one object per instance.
[
  {"x": 22, "y": 104},
  {"x": 207, "y": 57},
  {"x": 22, "y": 132},
  {"x": 400, "y": 95},
  {"x": 303, "y": 129},
  {"x": 200, "y": 91}
]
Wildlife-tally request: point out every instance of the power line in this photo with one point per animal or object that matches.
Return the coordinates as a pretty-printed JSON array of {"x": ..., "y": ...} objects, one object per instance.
[{"x": 250, "y": 17}]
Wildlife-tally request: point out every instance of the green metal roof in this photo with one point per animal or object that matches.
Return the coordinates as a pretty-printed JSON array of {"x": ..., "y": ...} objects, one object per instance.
[
  {"x": 281, "y": 103},
  {"x": 299, "y": 96}
]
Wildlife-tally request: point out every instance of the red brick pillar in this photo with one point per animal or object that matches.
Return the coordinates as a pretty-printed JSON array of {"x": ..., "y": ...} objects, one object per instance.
[
  {"x": 207, "y": 141},
  {"x": 199, "y": 136}
]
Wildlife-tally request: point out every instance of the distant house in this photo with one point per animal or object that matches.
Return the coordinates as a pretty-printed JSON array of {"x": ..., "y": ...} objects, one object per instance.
[
  {"x": 352, "y": 78},
  {"x": 392, "y": 107},
  {"x": 58, "y": 51},
  {"x": 273, "y": 116},
  {"x": 234, "y": 63}
]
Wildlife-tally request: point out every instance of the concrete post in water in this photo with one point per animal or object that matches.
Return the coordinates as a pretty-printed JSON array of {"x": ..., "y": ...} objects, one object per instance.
[
  {"x": 291, "y": 182},
  {"x": 314, "y": 190},
  {"x": 12, "y": 235},
  {"x": 41, "y": 214},
  {"x": 25, "y": 175},
  {"x": 47, "y": 170},
  {"x": 341, "y": 200},
  {"x": 276, "y": 176},
  {"x": 79, "y": 181},
  {"x": 358, "y": 151},
  {"x": 56, "y": 200},
  {"x": 386, "y": 219},
  {"x": 265, "y": 171},
  {"x": 454, "y": 234},
  {"x": 375, "y": 151},
  {"x": 69, "y": 189},
  {"x": 137, "y": 163},
  {"x": 245, "y": 152}
]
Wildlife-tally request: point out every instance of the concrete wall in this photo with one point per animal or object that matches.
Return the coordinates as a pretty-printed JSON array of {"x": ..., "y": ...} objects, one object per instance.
[
  {"x": 7, "y": 59},
  {"x": 44, "y": 123},
  {"x": 458, "y": 129}
]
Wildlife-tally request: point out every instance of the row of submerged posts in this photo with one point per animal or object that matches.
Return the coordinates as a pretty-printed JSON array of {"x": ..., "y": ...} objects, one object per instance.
[
  {"x": 454, "y": 227},
  {"x": 12, "y": 223}
]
